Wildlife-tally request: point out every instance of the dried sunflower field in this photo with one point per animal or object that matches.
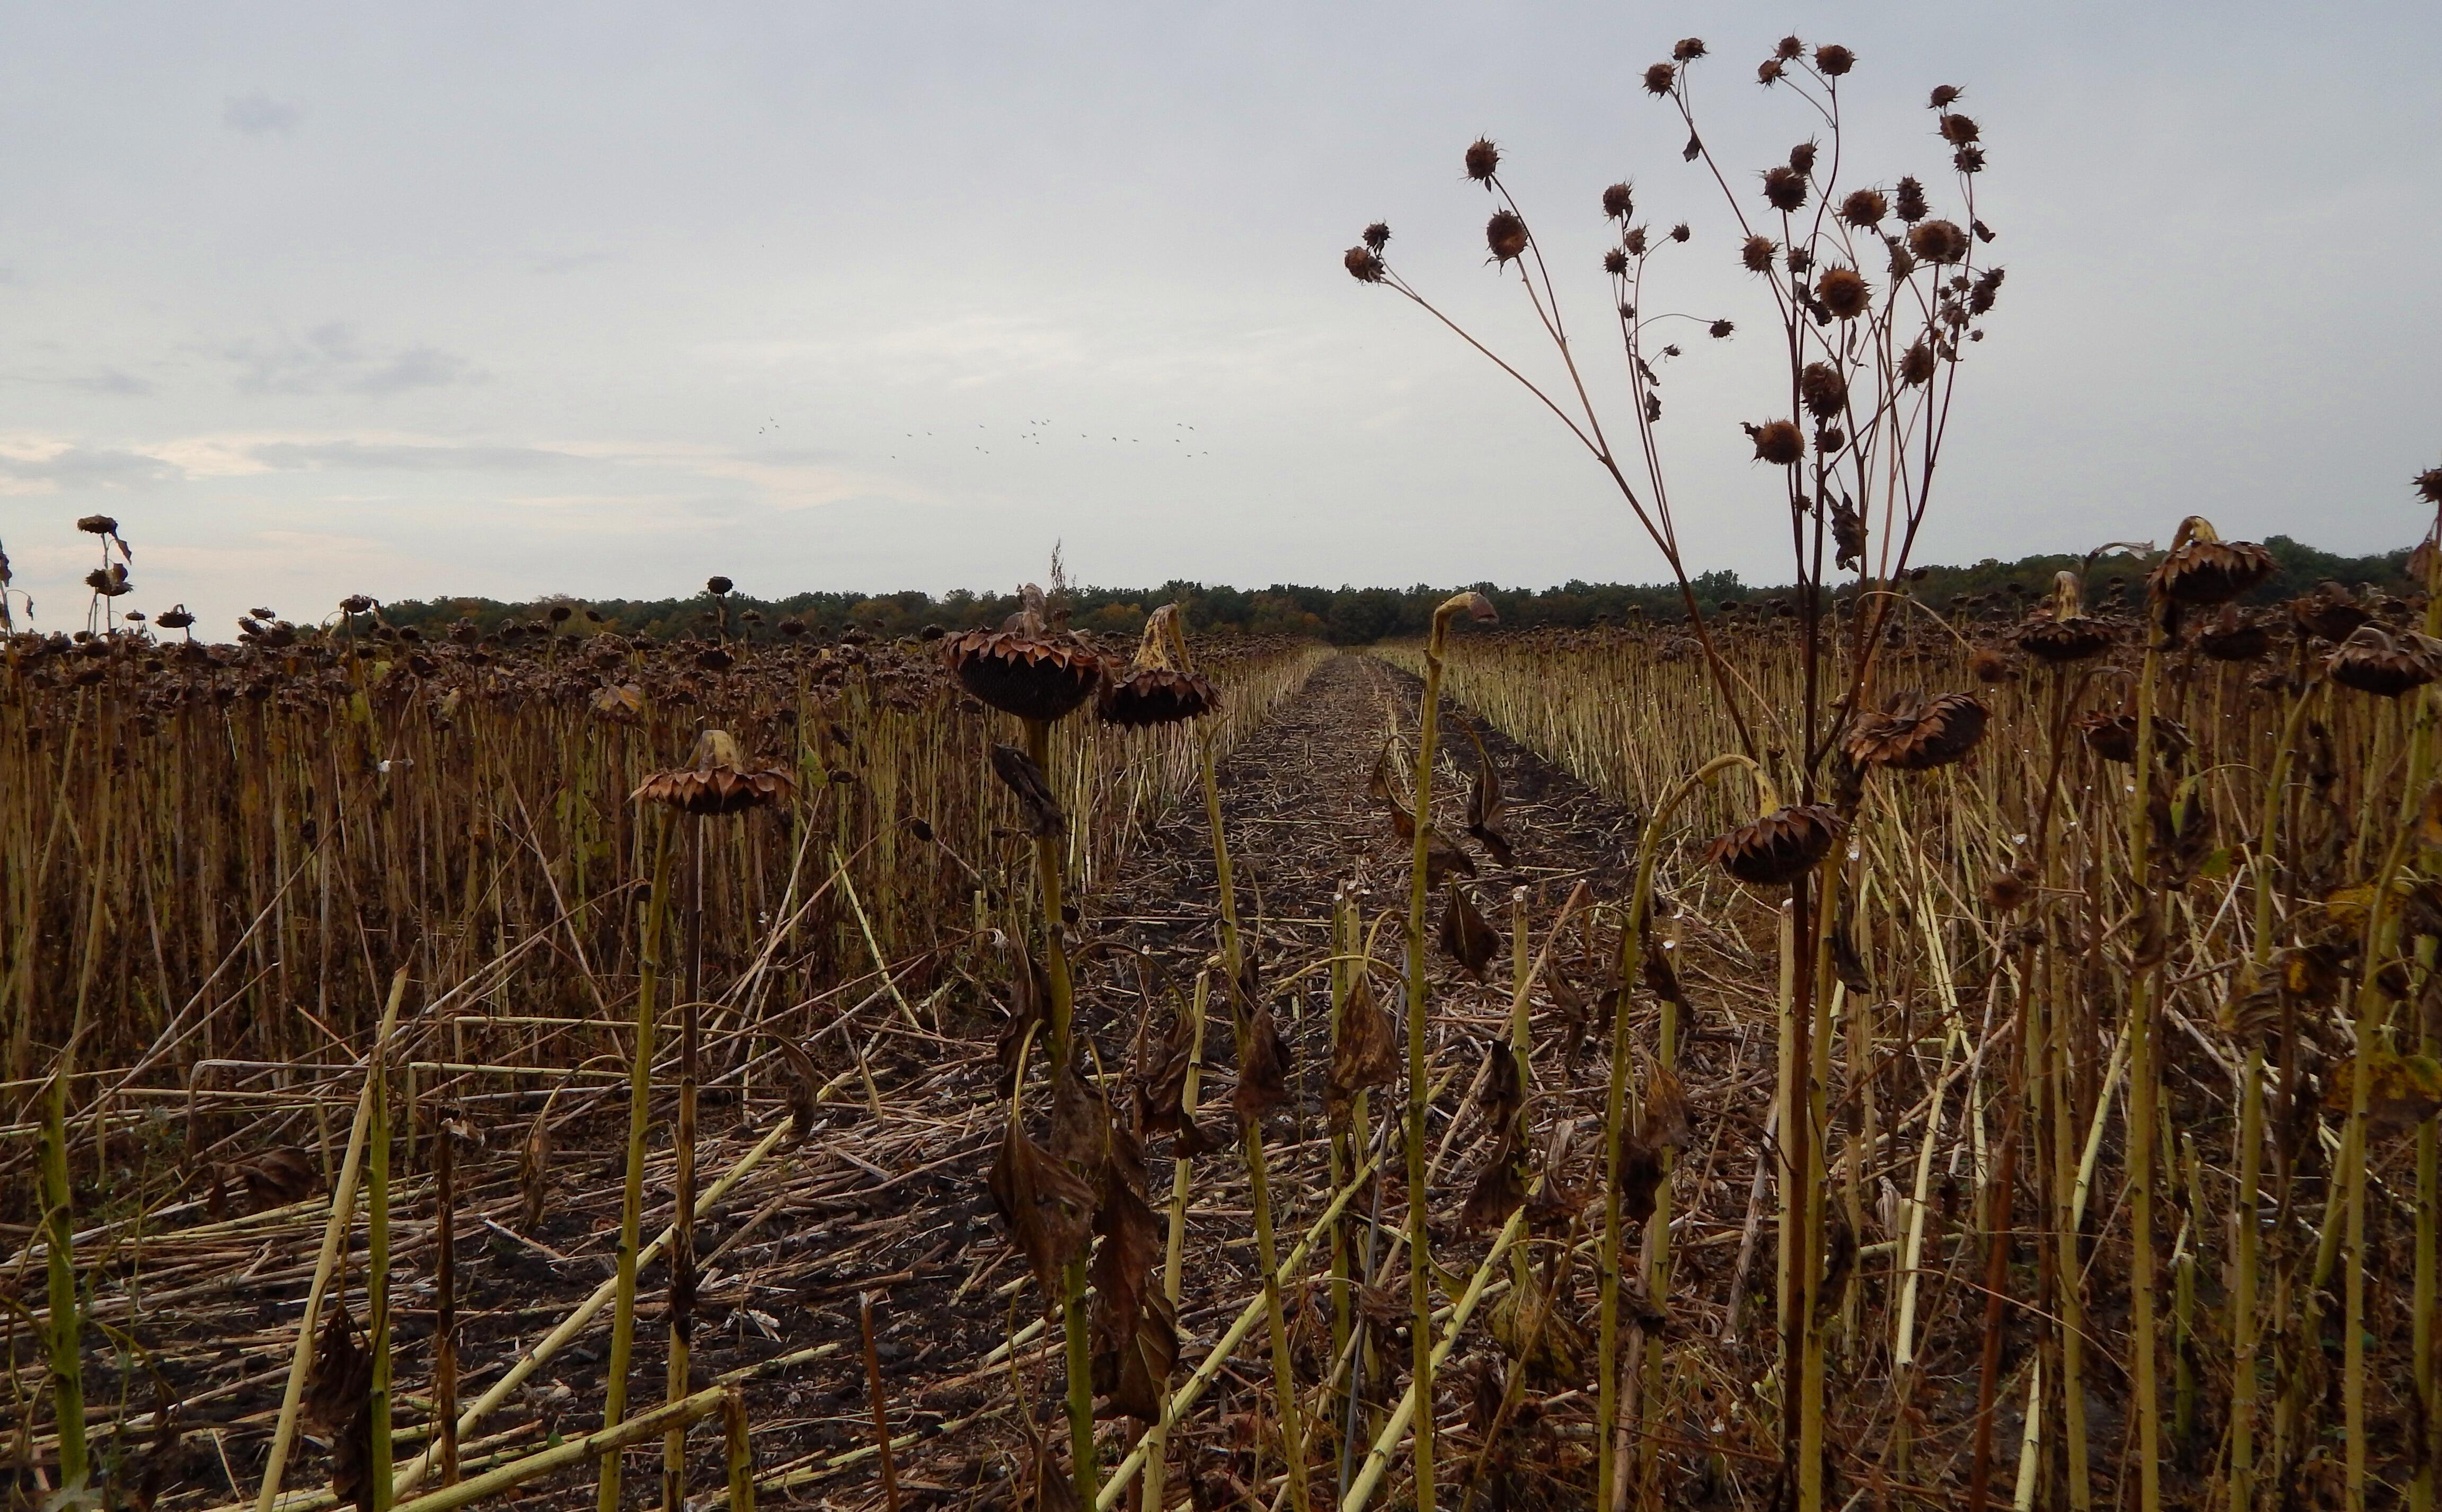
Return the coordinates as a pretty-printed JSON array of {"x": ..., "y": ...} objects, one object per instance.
[{"x": 1840, "y": 1050}]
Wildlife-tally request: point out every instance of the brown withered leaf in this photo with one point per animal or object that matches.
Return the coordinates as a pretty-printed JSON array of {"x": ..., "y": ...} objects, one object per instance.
[
  {"x": 805, "y": 1084},
  {"x": 271, "y": 1179},
  {"x": 2429, "y": 818},
  {"x": 339, "y": 1402},
  {"x": 1504, "y": 1084},
  {"x": 1641, "y": 1172},
  {"x": 1134, "y": 1331},
  {"x": 1017, "y": 770},
  {"x": 1661, "y": 975},
  {"x": 1365, "y": 1054},
  {"x": 2148, "y": 945},
  {"x": 1839, "y": 1263},
  {"x": 1575, "y": 1015},
  {"x": 1846, "y": 962},
  {"x": 1378, "y": 786},
  {"x": 534, "y": 1172},
  {"x": 1444, "y": 859},
  {"x": 1029, "y": 1001},
  {"x": 2402, "y": 1091},
  {"x": 2250, "y": 1017},
  {"x": 1500, "y": 1186},
  {"x": 1192, "y": 1141},
  {"x": 1049, "y": 1208},
  {"x": 1663, "y": 1120},
  {"x": 1082, "y": 1131},
  {"x": 1161, "y": 1077},
  {"x": 1487, "y": 806},
  {"x": 1464, "y": 936},
  {"x": 1263, "y": 1068}
]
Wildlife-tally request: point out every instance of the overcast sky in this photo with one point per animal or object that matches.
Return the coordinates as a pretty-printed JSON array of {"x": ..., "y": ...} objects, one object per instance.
[{"x": 600, "y": 300}]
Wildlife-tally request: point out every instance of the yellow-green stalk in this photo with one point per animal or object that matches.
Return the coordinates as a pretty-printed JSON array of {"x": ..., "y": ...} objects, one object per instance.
[
  {"x": 632, "y": 1209},
  {"x": 1055, "y": 959}
]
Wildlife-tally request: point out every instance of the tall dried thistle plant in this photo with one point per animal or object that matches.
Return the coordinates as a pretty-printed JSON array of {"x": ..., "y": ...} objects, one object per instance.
[{"x": 1876, "y": 300}]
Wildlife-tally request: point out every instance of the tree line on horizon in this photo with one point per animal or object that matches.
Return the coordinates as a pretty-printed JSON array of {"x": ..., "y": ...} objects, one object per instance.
[{"x": 1346, "y": 615}]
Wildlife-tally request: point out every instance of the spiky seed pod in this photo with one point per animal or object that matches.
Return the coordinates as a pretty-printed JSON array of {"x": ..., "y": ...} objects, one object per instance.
[
  {"x": 1835, "y": 59},
  {"x": 1908, "y": 200},
  {"x": 1823, "y": 389},
  {"x": 1720, "y": 329},
  {"x": 2371, "y": 661},
  {"x": 1378, "y": 235},
  {"x": 1023, "y": 668},
  {"x": 1958, "y": 129},
  {"x": 1756, "y": 253},
  {"x": 1865, "y": 208},
  {"x": 1789, "y": 49},
  {"x": 1784, "y": 189},
  {"x": 1688, "y": 50},
  {"x": 1779, "y": 847},
  {"x": 2113, "y": 737},
  {"x": 2330, "y": 612},
  {"x": 1844, "y": 292},
  {"x": 1944, "y": 95},
  {"x": 1986, "y": 289},
  {"x": 1483, "y": 160},
  {"x": 1989, "y": 664},
  {"x": 1681, "y": 231},
  {"x": 1506, "y": 235},
  {"x": 1362, "y": 264},
  {"x": 1615, "y": 263},
  {"x": 2201, "y": 568},
  {"x": 1779, "y": 442},
  {"x": 1968, "y": 159},
  {"x": 2429, "y": 485},
  {"x": 1916, "y": 365},
  {"x": 2233, "y": 637},
  {"x": 717, "y": 780},
  {"x": 1769, "y": 71},
  {"x": 1801, "y": 157},
  {"x": 1937, "y": 241},
  {"x": 1618, "y": 201},
  {"x": 1917, "y": 735},
  {"x": 1659, "y": 79},
  {"x": 98, "y": 525}
]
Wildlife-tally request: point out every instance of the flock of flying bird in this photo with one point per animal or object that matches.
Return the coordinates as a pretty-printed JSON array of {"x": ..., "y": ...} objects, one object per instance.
[{"x": 1036, "y": 432}]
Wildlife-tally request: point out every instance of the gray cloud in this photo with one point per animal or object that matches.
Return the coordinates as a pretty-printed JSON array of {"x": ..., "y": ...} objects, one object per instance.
[
  {"x": 331, "y": 359},
  {"x": 296, "y": 456},
  {"x": 90, "y": 467},
  {"x": 113, "y": 381},
  {"x": 259, "y": 115}
]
